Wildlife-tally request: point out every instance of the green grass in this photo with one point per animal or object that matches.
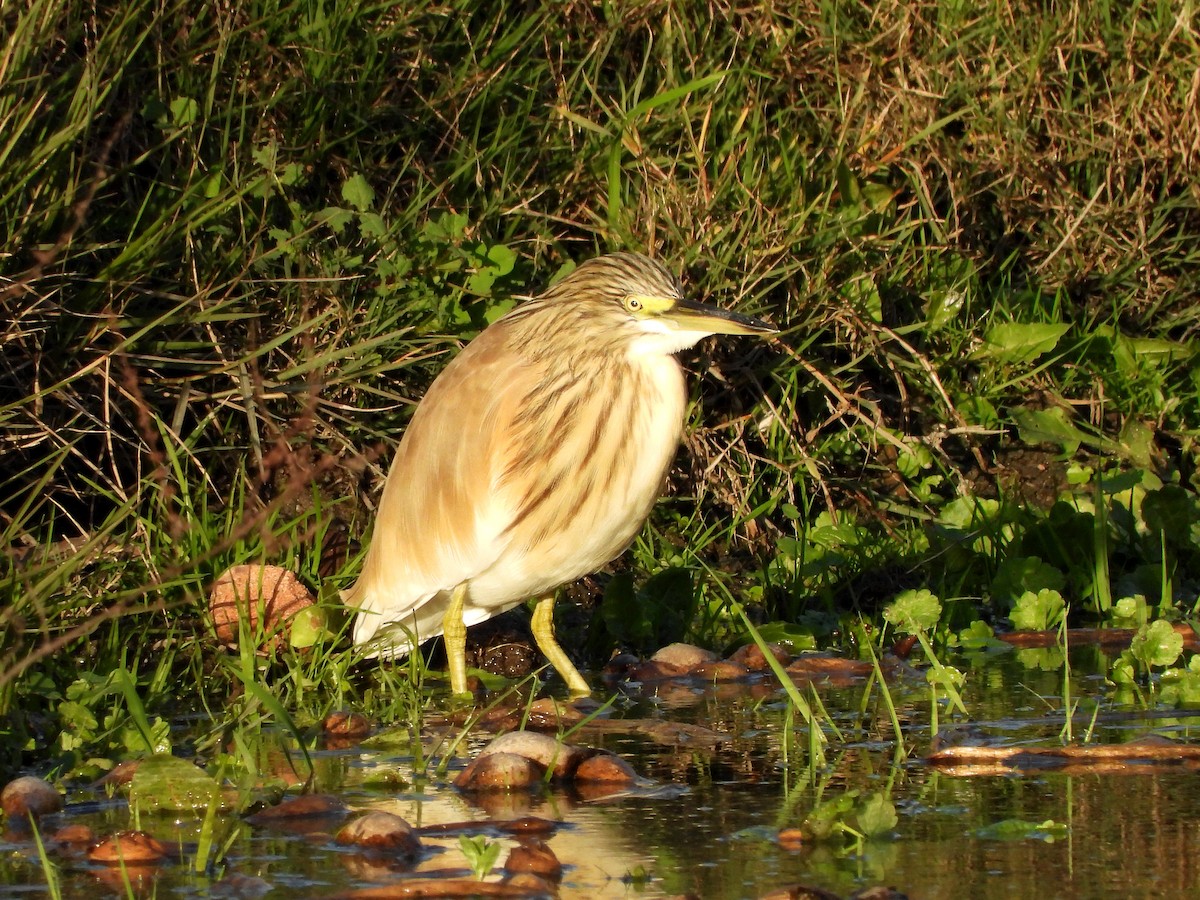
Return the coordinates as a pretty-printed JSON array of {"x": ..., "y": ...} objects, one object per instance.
[{"x": 239, "y": 243}]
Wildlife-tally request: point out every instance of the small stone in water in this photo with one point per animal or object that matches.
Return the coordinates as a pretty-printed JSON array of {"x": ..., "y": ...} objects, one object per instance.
[
  {"x": 544, "y": 750},
  {"x": 721, "y": 670},
  {"x": 606, "y": 768},
  {"x": 533, "y": 855},
  {"x": 130, "y": 848},
  {"x": 381, "y": 831},
  {"x": 76, "y": 836},
  {"x": 751, "y": 656},
  {"x": 527, "y": 825},
  {"x": 499, "y": 771},
  {"x": 800, "y": 892},
  {"x": 685, "y": 656},
  {"x": 28, "y": 796},
  {"x": 310, "y": 806},
  {"x": 346, "y": 724},
  {"x": 654, "y": 670},
  {"x": 792, "y": 838}
]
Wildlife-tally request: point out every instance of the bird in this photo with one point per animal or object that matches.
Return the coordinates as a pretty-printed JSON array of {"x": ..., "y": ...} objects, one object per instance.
[{"x": 533, "y": 460}]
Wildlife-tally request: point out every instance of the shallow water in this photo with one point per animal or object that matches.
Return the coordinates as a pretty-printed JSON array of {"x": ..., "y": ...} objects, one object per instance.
[{"x": 708, "y": 822}]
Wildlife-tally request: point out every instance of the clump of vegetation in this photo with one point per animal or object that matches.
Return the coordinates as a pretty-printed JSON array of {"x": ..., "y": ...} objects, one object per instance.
[{"x": 240, "y": 241}]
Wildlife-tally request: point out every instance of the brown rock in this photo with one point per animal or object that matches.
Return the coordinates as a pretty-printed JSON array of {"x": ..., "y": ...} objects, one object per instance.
[
  {"x": 606, "y": 768},
  {"x": 683, "y": 656},
  {"x": 381, "y": 831},
  {"x": 554, "y": 756},
  {"x": 500, "y": 772},
  {"x": 792, "y": 838},
  {"x": 130, "y": 848},
  {"x": 344, "y": 724},
  {"x": 800, "y": 892},
  {"x": 121, "y": 773},
  {"x": 751, "y": 656},
  {"x": 813, "y": 666},
  {"x": 527, "y": 825},
  {"x": 721, "y": 670},
  {"x": 653, "y": 670},
  {"x": 28, "y": 796},
  {"x": 529, "y": 884},
  {"x": 266, "y": 597},
  {"x": 550, "y": 713},
  {"x": 533, "y": 855},
  {"x": 74, "y": 834},
  {"x": 310, "y": 806}
]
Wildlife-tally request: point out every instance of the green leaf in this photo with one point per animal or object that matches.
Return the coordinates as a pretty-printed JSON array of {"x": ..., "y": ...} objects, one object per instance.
[
  {"x": 980, "y": 636},
  {"x": 480, "y": 852},
  {"x": 826, "y": 818},
  {"x": 1018, "y": 575},
  {"x": 877, "y": 816},
  {"x": 184, "y": 111},
  {"x": 171, "y": 784},
  {"x": 309, "y": 627},
  {"x": 792, "y": 637},
  {"x": 502, "y": 259},
  {"x": 969, "y": 513},
  {"x": 1041, "y": 611},
  {"x": 1172, "y": 511},
  {"x": 1020, "y": 342},
  {"x": 357, "y": 191},
  {"x": 1130, "y": 612},
  {"x": 1022, "y": 830},
  {"x": 1048, "y": 426},
  {"x": 1156, "y": 644},
  {"x": 335, "y": 217},
  {"x": 945, "y": 676},
  {"x": 978, "y": 410},
  {"x": 914, "y": 610}
]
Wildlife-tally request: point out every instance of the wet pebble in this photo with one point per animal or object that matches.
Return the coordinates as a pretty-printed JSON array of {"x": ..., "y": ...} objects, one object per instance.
[
  {"x": 792, "y": 838},
  {"x": 721, "y": 670},
  {"x": 310, "y": 807},
  {"x": 653, "y": 670},
  {"x": 685, "y": 657},
  {"x": 534, "y": 855},
  {"x": 381, "y": 830},
  {"x": 28, "y": 796},
  {"x": 528, "y": 825},
  {"x": 73, "y": 837},
  {"x": 605, "y": 768},
  {"x": 550, "y": 713},
  {"x": 752, "y": 657},
  {"x": 826, "y": 665},
  {"x": 552, "y": 755},
  {"x": 128, "y": 848},
  {"x": 345, "y": 724},
  {"x": 121, "y": 773},
  {"x": 500, "y": 771},
  {"x": 800, "y": 892}
]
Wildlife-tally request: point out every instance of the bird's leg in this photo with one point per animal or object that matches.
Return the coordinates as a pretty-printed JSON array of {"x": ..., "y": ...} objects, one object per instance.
[
  {"x": 454, "y": 633},
  {"x": 543, "y": 632}
]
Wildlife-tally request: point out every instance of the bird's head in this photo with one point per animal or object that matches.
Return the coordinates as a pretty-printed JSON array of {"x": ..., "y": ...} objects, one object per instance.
[{"x": 641, "y": 298}]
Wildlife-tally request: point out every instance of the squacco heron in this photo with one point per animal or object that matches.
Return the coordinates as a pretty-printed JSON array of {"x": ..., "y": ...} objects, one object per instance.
[{"x": 533, "y": 459}]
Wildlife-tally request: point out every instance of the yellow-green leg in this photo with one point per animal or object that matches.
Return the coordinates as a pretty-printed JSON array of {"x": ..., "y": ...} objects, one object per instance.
[
  {"x": 543, "y": 632},
  {"x": 454, "y": 632}
]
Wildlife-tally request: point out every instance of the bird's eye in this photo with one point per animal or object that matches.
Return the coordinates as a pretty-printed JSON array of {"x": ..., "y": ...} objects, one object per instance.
[{"x": 633, "y": 304}]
